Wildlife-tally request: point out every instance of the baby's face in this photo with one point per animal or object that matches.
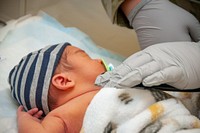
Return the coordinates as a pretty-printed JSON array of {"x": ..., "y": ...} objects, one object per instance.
[{"x": 83, "y": 65}]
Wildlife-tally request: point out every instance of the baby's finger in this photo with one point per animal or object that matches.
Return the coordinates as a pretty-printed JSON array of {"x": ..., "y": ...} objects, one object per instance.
[
  {"x": 38, "y": 114},
  {"x": 20, "y": 108},
  {"x": 32, "y": 111}
]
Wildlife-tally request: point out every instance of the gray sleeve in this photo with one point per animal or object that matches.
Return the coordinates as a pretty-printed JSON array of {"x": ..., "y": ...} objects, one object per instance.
[{"x": 114, "y": 12}]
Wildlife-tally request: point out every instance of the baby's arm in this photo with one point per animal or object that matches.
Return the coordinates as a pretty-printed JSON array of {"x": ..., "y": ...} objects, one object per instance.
[{"x": 28, "y": 122}]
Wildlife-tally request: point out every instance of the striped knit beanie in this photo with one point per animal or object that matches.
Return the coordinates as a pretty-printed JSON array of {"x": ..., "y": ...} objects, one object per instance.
[{"x": 30, "y": 79}]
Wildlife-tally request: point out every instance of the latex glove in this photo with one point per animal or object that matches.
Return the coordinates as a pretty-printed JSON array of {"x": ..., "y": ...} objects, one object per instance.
[
  {"x": 162, "y": 21},
  {"x": 174, "y": 63}
]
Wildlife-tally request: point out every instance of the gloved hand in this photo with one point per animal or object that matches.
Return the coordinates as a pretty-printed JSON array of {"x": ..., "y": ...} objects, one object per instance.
[
  {"x": 174, "y": 63},
  {"x": 161, "y": 21}
]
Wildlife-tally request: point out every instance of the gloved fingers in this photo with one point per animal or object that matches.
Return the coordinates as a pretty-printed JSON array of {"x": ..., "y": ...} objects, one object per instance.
[
  {"x": 111, "y": 84},
  {"x": 131, "y": 79},
  {"x": 138, "y": 59},
  {"x": 110, "y": 78},
  {"x": 103, "y": 79},
  {"x": 168, "y": 75},
  {"x": 136, "y": 76}
]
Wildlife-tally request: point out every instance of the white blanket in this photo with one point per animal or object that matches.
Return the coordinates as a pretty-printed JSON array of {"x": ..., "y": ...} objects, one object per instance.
[{"x": 138, "y": 111}]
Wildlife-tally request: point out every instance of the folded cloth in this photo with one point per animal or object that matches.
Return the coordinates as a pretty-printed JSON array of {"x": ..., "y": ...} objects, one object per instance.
[
  {"x": 140, "y": 111},
  {"x": 190, "y": 100}
]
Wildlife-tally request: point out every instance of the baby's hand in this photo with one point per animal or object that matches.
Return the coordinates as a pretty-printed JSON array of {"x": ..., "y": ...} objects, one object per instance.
[
  {"x": 33, "y": 114},
  {"x": 29, "y": 122}
]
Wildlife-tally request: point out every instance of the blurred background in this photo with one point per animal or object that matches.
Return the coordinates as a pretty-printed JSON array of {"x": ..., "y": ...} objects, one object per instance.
[{"x": 87, "y": 15}]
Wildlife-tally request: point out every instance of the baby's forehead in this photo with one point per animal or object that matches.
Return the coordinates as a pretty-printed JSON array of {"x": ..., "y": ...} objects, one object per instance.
[
  {"x": 68, "y": 49},
  {"x": 72, "y": 49}
]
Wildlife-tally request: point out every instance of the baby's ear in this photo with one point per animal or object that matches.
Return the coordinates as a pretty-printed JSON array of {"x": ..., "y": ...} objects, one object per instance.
[{"x": 62, "y": 81}]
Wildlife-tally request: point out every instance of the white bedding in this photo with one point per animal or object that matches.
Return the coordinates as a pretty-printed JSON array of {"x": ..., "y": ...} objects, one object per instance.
[{"x": 30, "y": 33}]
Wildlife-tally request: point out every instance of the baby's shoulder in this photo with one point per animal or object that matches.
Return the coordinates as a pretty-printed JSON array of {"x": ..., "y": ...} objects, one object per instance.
[{"x": 59, "y": 123}]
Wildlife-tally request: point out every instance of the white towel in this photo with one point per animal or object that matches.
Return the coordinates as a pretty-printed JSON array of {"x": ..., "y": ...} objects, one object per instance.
[{"x": 137, "y": 111}]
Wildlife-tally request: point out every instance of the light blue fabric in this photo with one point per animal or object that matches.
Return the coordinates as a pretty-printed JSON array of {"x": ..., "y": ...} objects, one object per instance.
[{"x": 47, "y": 30}]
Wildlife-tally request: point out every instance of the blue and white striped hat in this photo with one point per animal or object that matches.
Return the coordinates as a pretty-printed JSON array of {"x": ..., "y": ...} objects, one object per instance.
[{"x": 30, "y": 79}]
